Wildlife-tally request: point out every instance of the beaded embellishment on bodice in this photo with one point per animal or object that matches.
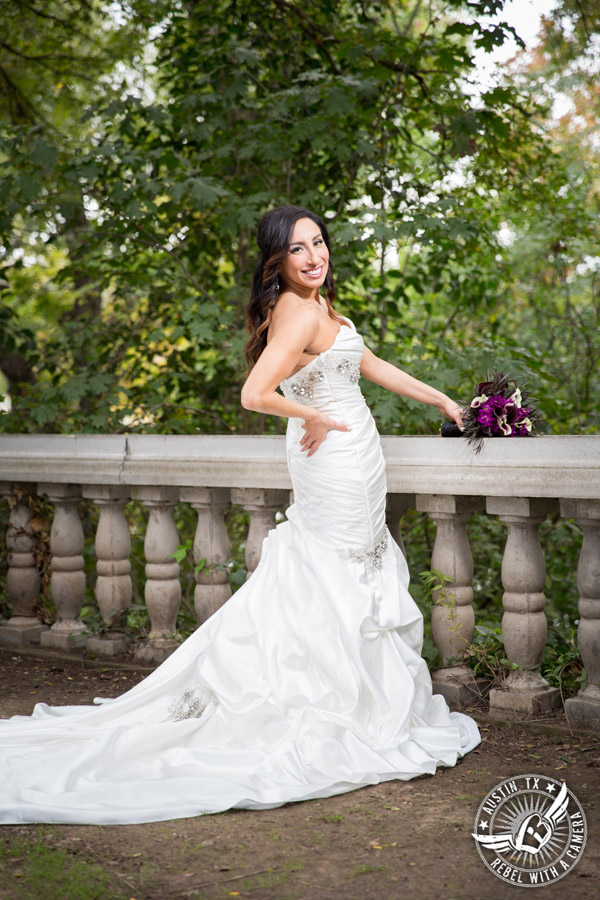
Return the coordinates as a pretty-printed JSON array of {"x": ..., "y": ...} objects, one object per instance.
[
  {"x": 302, "y": 385},
  {"x": 302, "y": 388}
]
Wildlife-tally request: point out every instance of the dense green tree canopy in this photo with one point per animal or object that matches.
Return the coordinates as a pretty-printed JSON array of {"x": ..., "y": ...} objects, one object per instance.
[{"x": 144, "y": 140}]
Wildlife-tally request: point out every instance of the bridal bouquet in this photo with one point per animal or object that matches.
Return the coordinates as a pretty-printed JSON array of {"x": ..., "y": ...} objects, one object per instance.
[{"x": 499, "y": 408}]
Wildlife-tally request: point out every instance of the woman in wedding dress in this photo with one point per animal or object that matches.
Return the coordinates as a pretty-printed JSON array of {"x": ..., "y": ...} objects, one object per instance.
[{"x": 308, "y": 682}]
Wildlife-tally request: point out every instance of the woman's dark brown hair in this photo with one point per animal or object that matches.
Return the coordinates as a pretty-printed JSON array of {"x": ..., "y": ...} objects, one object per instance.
[{"x": 273, "y": 238}]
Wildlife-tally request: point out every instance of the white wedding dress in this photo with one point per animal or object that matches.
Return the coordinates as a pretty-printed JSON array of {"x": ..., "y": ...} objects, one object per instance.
[{"x": 308, "y": 682}]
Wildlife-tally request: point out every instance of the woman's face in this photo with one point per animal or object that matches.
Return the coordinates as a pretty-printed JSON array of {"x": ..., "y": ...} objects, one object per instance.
[{"x": 305, "y": 267}]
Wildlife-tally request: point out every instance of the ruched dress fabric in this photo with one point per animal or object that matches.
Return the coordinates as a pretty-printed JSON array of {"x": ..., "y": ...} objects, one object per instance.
[{"x": 308, "y": 682}]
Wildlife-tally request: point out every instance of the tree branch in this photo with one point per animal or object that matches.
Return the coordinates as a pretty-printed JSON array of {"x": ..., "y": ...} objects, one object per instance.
[
  {"x": 64, "y": 22},
  {"x": 314, "y": 31}
]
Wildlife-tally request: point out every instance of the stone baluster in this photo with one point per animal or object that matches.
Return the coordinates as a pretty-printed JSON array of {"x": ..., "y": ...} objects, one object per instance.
[
  {"x": 396, "y": 506},
  {"x": 262, "y": 504},
  {"x": 67, "y": 582},
  {"x": 524, "y": 626},
  {"x": 23, "y": 579},
  {"x": 113, "y": 582},
  {"x": 452, "y": 617},
  {"x": 163, "y": 590},
  {"x": 584, "y": 708},
  {"x": 211, "y": 543}
]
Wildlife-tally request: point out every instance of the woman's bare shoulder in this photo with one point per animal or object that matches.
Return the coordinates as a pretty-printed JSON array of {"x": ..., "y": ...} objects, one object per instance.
[
  {"x": 292, "y": 313},
  {"x": 289, "y": 305}
]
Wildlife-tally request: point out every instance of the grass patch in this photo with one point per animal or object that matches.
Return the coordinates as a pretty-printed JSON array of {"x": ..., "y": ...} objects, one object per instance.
[
  {"x": 36, "y": 870},
  {"x": 364, "y": 869}
]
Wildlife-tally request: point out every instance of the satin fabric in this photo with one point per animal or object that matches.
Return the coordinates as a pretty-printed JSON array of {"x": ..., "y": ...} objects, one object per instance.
[{"x": 308, "y": 682}]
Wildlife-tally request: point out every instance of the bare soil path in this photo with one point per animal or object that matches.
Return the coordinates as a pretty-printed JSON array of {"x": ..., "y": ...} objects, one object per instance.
[{"x": 393, "y": 841}]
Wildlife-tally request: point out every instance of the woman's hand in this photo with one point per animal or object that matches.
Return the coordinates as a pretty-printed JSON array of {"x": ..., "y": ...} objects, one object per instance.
[
  {"x": 316, "y": 425},
  {"x": 453, "y": 411}
]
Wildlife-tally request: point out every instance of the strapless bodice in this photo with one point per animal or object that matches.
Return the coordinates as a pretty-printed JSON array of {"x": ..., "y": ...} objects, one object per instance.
[{"x": 331, "y": 376}]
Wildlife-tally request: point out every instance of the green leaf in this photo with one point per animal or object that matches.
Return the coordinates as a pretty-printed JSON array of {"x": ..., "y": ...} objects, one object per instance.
[{"x": 43, "y": 155}]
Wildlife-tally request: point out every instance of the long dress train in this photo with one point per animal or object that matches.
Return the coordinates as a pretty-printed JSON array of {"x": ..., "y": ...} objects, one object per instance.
[{"x": 308, "y": 682}]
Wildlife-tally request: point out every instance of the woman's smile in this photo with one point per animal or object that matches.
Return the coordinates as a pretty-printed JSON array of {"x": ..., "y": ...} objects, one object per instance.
[{"x": 314, "y": 273}]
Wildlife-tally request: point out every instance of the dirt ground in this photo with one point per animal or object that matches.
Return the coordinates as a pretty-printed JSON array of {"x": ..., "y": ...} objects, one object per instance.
[{"x": 393, "y": 841}]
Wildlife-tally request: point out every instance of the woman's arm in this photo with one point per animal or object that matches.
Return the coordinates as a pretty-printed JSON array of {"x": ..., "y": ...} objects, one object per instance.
[
  {"x": 394, "y": 379},
  {"x": 290, "y": 336}
]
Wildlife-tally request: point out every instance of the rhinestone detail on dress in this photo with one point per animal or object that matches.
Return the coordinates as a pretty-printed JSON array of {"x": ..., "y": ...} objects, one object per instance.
[
  {"x": 373, "y": 558},
  {"x": 303, "y": 388},
  {"x": 187, "y": 706}
]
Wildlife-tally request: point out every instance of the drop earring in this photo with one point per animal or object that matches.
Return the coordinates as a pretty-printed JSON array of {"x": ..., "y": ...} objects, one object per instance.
[{"x": 277, "y": 286}]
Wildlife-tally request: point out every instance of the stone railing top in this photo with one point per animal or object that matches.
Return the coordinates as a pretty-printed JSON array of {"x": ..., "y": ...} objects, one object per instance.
[{"x": 546, "y": 466}]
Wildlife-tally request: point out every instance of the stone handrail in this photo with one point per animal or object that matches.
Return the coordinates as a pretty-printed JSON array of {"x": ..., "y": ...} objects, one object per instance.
[{"x": 521, "y": 481}]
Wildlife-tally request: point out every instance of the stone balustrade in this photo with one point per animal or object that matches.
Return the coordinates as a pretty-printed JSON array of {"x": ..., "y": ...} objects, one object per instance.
[{"x": 521, "y": 481}]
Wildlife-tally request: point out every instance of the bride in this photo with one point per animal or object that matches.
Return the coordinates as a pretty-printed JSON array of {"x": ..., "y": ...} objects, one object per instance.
[{"x": 308, "y": 682}]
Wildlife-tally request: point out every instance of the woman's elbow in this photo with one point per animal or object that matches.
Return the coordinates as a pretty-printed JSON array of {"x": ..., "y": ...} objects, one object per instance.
[{"x": 249, "y": 400}]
